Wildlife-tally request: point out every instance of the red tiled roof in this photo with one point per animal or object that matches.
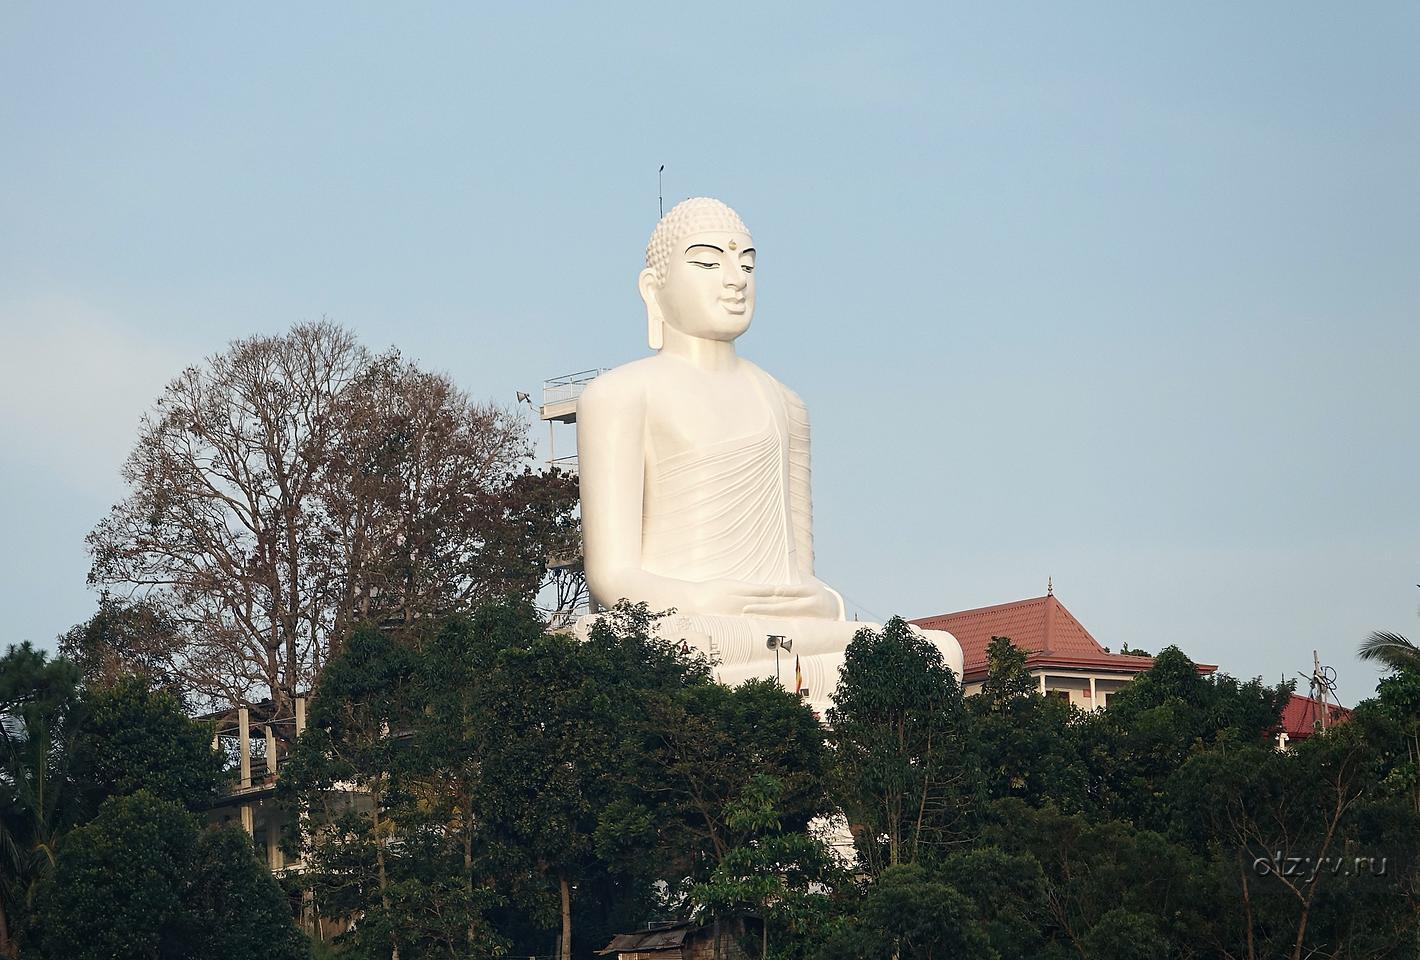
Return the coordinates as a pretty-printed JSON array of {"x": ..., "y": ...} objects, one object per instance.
[
  {"x": 1049, "y": 633},
  {"x": 1302, "y": 715}
]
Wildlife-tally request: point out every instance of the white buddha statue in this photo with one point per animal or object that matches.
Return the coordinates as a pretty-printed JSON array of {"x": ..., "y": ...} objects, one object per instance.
[{"x": 694, "y": 470}]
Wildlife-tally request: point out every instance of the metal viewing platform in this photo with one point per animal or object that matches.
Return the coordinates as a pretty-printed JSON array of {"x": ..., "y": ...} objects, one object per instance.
[{"x": 559, "y": 405}]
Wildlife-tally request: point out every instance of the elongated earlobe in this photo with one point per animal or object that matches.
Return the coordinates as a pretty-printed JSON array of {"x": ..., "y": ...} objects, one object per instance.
[{"x": 655, "y": 323}]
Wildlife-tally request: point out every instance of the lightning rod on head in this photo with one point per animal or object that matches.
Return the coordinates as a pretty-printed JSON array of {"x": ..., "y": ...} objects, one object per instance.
[{"x": 660, "y": 194}]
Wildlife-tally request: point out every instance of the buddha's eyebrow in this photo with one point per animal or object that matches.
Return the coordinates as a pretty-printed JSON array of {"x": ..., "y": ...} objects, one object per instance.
[{"x": 708, "y": 246}]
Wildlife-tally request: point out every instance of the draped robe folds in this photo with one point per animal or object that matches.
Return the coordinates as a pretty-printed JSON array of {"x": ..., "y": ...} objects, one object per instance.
[{"x": 724, "y": 511}]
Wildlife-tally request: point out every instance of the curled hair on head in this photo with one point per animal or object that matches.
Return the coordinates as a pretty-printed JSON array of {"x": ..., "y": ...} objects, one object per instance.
[{"x": 696, "y": 215}]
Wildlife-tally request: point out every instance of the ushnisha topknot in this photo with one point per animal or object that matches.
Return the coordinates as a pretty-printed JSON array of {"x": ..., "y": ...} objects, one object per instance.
[{"x": 696, "y": 215}]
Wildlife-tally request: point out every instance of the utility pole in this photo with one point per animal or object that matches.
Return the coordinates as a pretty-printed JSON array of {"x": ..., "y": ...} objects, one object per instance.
[{"x": 776, "y": 642}]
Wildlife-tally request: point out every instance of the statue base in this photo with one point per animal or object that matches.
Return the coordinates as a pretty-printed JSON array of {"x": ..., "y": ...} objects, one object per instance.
[{"x": 737, "y": 646}]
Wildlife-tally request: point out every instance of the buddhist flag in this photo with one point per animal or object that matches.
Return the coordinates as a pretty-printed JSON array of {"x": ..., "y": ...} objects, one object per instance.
[{"x": 798, "y": 677}]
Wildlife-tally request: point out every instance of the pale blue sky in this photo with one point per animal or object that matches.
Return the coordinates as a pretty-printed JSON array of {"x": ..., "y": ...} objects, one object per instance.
[{"x": 1127, "y": 294}]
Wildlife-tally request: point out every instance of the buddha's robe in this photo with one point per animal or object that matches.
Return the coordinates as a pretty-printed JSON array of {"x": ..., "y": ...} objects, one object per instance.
[{"x": 726, "y": 511}]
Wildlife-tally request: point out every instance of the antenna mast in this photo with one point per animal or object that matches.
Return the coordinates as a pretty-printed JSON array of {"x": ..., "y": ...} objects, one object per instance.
[
  {"x": 1322, "y": 687},
  {"x": 660, "y": 194}
]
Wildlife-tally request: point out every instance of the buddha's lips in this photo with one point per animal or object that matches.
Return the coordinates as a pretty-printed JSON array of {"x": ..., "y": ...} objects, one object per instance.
[{"x": 734, "y": 306}]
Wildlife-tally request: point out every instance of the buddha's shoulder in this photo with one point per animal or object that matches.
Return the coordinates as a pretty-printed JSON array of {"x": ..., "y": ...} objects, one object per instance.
[
  {"x": 789, "y": 395},
  {"x": 635, "y": 381},
  {"x": 626, "y": 382}
]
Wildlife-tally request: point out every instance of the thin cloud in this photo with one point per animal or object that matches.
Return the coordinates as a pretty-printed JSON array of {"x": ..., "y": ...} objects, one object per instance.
[{"x": 74, "y": 383}]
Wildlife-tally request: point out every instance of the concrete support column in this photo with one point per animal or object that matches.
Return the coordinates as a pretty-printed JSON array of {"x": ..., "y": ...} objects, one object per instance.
[
  {"x": 270, "y": 749},
  {"x": 1042, "y": 684},
  {"x": 244, "y": 752},
  {"x": 274, "y": 858},
  {"x": 1094, "y": 703},
  {"x": 300, "y": 716},
  {"x": 247, "y": 823}
]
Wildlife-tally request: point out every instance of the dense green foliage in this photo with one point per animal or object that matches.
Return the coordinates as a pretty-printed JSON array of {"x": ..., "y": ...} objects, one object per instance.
[
  {"x": 897, "y": 723},
  {"x": 141, "y": 880},
  {"x": 39, "y": 721},
  {"x": 484, "y": 787},
  {"x": 101, "y": 852},
  {"x": 135, "y": 738},
  {"x": 524, "y": 786},
  {"x": 83, "y": 910},
  {"x": 518, "y": 788}
]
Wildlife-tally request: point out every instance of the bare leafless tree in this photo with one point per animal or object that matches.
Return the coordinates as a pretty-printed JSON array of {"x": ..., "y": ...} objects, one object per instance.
[
  {"x": 418, "y": 485},
  {"x": 295, "y": 484}
]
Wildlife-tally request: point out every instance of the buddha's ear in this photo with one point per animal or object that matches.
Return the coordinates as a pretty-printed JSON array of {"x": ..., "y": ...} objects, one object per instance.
[{"x": 648, "y": 285}]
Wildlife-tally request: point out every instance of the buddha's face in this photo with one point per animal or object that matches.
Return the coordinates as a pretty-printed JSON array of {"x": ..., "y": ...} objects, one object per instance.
[{"x": 708, "y": 291}]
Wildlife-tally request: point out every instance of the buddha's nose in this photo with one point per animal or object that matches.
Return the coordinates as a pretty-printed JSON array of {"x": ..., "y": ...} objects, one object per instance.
[{"x": 735, "y": 278}]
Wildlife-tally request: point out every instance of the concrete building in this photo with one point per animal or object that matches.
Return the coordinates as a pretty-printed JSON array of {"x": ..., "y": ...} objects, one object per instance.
[{"x": 256, "y": 741}]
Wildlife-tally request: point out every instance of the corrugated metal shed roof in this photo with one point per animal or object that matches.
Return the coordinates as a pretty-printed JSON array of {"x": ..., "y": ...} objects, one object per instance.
[{"x": 667, "y": 938}]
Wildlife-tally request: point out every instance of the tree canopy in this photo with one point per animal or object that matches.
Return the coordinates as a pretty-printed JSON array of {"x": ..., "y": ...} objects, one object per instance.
[
  {"x": 293, "y": 485},
  {"x": 102, "y": 789}
]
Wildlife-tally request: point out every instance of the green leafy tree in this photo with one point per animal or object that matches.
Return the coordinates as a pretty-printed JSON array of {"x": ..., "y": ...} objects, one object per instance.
[
  {"x": 346, "y": 781},
  {"x": 1007, "y": 679},
  {"x": 1154, "y": 724},
  {"x": 39, "y": 720},
  {"x": 65, "y": 750},
  {"x": 644, "y": 834},
  {"x": 1396, "y": 710},
  {"x": 1284, "y": 830},
  {"x": 899, "y": 771},
  {"x": 1093, "y": 868},
  {"x": 1023, "y": 744},
  {"x": 910, "y": 913},
  {"x": 780, "y": 876},
  {"x": 498, "y": 772},
  {"x": 134, "y": 738},
  {"x": 564, "y": 747},
  {"x": 1123, "y": 935},
  {"x": 462, "y": 880},
  {"x": 117, "y": 891},
  {"x": 141, "y": 881},
  {"x": 1009, "y": 893},
  {"x": 549, "y": 758},
  {"x": 709, "y": 743},
  {"x": 236, "y": 907}
]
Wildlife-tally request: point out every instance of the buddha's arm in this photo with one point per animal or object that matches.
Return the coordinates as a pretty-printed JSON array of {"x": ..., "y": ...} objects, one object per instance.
[{"x": 801, "y": 508}]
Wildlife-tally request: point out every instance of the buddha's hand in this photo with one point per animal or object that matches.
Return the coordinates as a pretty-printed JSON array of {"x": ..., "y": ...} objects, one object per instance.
[
  {"x": 811, "y": 600},
  {"x": 727, "y": 598}
]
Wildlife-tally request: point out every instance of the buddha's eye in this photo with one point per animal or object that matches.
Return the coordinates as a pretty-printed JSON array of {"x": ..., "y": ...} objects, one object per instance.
[
  {"x": 703, "y": 265},
  {"x": 747, "y": 268}
]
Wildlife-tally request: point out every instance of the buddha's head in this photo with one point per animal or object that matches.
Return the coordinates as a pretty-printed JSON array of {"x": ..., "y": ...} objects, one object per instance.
[{"x": 699, "y": 275}]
